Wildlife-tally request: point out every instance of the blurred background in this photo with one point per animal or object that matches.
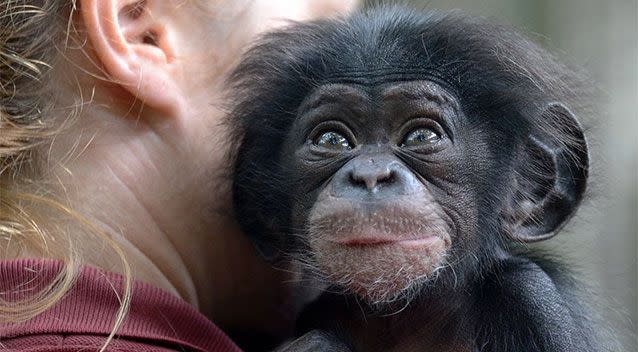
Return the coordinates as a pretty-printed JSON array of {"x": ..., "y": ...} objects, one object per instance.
[{"x": 602, "y": 37}]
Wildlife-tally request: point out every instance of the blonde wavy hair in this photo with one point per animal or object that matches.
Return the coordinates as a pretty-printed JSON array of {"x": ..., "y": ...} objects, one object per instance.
[{"x": 33, "y": 36}]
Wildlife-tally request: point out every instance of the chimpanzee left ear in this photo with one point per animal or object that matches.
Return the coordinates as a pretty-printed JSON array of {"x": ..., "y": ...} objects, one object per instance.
[{"x": 550, "y": 178}]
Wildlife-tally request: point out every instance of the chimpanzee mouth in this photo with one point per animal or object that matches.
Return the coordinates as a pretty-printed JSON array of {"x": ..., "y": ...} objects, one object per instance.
[
  {"x": 394, "y": 225},
  {"x": 378, "y": 255}
]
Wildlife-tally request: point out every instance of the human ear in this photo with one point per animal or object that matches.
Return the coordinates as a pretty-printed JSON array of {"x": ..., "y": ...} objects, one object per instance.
[
  {"x": 551, "y": 179},
  {"x": 132, "y": 39}
]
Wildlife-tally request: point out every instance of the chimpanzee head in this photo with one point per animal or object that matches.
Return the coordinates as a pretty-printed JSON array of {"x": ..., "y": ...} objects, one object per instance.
[{"x": 394, "y": 149}]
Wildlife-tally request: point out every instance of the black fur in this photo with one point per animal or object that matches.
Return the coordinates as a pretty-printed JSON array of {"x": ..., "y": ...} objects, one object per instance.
[{"x": 495, "y": 296}]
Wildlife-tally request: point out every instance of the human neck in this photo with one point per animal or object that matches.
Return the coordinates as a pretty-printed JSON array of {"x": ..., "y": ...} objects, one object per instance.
[{"x": 148, "y": 186}]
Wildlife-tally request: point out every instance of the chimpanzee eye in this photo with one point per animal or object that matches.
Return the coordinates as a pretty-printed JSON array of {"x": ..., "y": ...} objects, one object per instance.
[
  {"x": 333, "y": 140},
  {"x": 420, "y": 137}
]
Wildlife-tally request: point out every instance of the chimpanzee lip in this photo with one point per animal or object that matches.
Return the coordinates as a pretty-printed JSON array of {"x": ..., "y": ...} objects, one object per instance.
[{"x": 372, "y": 241}]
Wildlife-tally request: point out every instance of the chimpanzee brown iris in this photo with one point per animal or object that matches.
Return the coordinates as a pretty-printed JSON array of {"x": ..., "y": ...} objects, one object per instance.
[
  {"x": 333, "y": 140},
  {"x": 397, "y": 158}
]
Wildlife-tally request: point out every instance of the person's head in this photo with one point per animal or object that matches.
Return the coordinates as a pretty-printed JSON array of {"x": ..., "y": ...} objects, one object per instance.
[{"x": 110, "y": 133}]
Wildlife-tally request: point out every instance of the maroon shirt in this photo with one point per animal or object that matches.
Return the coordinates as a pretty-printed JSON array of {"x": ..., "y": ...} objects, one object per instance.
[{"x": 156, "y": 321}]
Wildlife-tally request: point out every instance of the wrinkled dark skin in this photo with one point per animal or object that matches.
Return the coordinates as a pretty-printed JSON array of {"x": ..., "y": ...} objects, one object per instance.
[{"x": 396, "y": 159}]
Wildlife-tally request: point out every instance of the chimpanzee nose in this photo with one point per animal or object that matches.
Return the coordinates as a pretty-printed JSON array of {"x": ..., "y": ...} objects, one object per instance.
[
  {"x": 369, "y": 175},
  {"x": 373, "y": 176}
]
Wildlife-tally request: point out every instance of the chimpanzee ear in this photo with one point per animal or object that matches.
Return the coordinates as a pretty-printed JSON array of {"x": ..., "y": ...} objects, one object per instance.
[{"x": 550, "y": 178}]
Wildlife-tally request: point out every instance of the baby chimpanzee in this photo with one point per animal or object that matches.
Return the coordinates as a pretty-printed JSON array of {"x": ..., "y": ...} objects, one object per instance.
[{"x": 396, "y": 158}]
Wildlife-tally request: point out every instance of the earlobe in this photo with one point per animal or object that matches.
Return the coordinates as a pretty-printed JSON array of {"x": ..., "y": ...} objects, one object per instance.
[
  {"x": 135, "y": 48},
  {"x": 551, "y": 178}
]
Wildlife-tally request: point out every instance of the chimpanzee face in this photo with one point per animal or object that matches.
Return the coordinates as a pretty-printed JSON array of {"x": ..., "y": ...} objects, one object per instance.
[{"x": 390, "y": 172}]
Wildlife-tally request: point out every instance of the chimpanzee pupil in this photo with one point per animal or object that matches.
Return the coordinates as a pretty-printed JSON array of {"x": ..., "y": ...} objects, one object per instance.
[
  {"x": 333, "y": 140},
  {"x": 420, "y": 137}
]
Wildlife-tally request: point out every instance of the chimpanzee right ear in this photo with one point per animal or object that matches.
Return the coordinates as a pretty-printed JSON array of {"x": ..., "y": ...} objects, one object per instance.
[{"x": 550, "y": 178}]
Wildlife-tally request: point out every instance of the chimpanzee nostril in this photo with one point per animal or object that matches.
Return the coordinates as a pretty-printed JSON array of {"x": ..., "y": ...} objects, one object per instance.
[
  {"x": 389, "y": 178},
  {"x": 354, "y": 180}
]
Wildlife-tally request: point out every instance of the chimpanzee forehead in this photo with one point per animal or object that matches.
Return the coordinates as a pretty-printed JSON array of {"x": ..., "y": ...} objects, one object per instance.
[
  {"x": 383, "y": 91},
  {"x": 417, "y": 90},
  {"x": 375, "y": 75}
]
